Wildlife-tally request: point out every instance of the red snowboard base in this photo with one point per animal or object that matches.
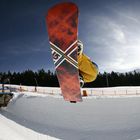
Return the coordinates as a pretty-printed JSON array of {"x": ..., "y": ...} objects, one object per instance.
[{"x": 62, "y": 25}]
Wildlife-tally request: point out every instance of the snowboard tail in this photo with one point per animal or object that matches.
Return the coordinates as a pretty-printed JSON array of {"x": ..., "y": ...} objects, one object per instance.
[{"x": 62, "y": 25}]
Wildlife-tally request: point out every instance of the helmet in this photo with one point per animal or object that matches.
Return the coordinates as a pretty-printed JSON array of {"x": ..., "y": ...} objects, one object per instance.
[{"x": 80, "y": 47}]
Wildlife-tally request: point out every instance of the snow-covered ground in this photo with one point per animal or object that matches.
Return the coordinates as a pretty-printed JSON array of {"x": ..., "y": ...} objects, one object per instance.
[{"x": 31, "y": 116}]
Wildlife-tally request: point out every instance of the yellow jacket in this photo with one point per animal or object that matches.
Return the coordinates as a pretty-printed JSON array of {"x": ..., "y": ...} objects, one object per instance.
[{"x": 87, "y": 69}]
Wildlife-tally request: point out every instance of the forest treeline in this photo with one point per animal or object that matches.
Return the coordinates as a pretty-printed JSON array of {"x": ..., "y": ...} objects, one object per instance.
[{"x": 49, "y": 79}]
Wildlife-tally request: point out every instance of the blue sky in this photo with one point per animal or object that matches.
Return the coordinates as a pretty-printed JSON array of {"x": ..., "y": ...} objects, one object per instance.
[{"x": 109, "y": 29}]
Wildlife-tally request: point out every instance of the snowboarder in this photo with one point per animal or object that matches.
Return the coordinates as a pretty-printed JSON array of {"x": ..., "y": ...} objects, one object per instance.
[{"x": 88, "y": 70}]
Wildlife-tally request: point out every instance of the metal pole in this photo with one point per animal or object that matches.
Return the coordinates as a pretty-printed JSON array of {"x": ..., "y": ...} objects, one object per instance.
[
  {"x": 107, "y": 82},
  {"x": 36, "y": 82}
]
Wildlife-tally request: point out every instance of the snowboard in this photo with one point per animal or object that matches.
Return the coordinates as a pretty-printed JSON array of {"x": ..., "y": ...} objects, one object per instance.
[{"x": 62, "y": 27}]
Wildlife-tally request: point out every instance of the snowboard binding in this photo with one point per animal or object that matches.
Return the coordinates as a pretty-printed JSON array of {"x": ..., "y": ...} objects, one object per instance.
[
  {"x": 81, "y": 81},
  {"x": 80, "y": 47}
]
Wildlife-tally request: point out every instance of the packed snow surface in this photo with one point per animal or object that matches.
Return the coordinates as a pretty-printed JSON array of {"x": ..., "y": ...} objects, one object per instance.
[{"x": 31, "y": 116}]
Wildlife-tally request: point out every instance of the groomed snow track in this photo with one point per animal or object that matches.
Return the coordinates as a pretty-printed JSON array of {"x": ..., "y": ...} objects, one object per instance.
[{"x": 48, "y": 117}]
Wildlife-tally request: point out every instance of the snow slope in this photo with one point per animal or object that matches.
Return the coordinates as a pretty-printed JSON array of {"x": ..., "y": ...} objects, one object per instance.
[{"x": 33, "y": 116}]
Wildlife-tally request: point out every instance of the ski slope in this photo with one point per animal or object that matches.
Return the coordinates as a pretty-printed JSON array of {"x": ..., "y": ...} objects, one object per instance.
[{"x": 31, "y": 116}]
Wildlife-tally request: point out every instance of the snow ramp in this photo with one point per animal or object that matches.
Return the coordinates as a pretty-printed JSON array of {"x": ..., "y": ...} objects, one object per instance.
[{"x": 43, "y": 117}]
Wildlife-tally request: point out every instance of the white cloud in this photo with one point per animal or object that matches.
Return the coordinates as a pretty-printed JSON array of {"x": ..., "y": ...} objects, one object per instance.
[
  {"x": 119, "y": 35},
  {"x": 115, "y": 44}
]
